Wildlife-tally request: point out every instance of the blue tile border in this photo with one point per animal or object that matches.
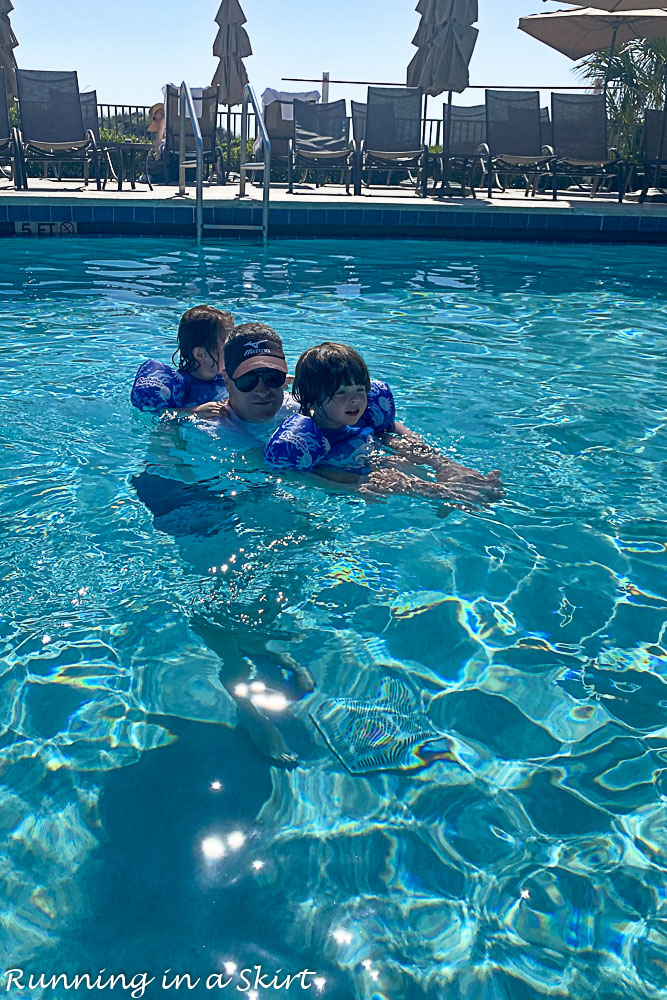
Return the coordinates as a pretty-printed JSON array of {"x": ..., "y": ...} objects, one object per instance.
[{"x": 432, "y": 220}]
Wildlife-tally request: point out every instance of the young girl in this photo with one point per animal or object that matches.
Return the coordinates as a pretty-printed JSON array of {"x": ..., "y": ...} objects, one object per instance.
[
  {"x": 198, "y": 386},
  {"x": 345, "y": 417}
]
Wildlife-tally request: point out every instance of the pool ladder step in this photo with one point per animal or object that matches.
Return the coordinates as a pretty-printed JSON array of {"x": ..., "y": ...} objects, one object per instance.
[{"x": 219, "y": 230}]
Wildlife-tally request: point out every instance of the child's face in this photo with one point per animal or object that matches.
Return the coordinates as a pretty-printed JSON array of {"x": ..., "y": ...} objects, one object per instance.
[{"x": 344, "y": 409}]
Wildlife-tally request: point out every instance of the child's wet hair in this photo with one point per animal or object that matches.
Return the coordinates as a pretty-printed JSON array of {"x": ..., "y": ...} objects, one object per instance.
[
  {"x": 322, "y": 370},
  {"x": 202, "y": 326}
]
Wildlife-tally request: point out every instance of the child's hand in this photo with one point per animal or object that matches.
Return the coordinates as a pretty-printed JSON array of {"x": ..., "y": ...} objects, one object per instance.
[
  {"x": 472, "y": 486},
  {"x": 210, "y": 411}
]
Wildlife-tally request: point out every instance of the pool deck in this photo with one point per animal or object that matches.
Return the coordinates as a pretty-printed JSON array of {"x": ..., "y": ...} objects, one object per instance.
[{"x": 61, "y": 208}]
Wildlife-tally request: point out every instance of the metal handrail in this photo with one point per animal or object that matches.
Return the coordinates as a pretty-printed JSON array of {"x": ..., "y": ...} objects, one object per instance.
[
  {"x": 245, "y": 164},
  {"x": 185, "y": 98}
]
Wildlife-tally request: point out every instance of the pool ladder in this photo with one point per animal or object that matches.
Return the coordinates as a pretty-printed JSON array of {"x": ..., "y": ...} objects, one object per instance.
[
  {"x": 246, "y": 165},
  {"x": 186, "y": 103}
]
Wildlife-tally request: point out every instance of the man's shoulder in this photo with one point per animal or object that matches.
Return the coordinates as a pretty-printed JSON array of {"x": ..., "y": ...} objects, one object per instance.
[{"x": 289, "y": 407}]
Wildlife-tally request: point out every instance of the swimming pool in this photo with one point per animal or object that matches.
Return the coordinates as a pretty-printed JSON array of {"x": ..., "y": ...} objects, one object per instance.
[{"x": 139, "y": 829}]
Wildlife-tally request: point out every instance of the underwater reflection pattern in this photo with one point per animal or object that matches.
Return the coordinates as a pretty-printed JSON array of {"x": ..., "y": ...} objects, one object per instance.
[{"x": 528, "y": 859}]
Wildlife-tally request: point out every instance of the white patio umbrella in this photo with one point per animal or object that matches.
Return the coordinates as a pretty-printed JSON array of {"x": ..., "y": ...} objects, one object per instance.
[
  {"x": 8, "y": 43},
  {"x": 231, "y": 46},
  {"x": 616, "y": 5},
  {"x": 584, "y": 30},
  {"x": 579, "y": 32}
]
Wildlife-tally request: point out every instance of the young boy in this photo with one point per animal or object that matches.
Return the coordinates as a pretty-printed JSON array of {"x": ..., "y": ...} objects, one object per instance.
[
  {"x": 198, "y": 385},
  {"x": 345, "y": 416}
]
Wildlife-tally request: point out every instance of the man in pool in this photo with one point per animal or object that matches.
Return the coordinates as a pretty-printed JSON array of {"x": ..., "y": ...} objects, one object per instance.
[{"x": 255, "y": 376}]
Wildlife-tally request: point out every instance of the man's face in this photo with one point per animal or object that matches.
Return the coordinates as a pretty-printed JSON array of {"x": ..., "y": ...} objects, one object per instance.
[{"x": 259, "y": 404}]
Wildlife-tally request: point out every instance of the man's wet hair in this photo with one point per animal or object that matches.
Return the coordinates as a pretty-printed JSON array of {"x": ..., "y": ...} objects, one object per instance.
[
  {"x": 202, "y": 326},
  {"x": 322, "y": 370}
]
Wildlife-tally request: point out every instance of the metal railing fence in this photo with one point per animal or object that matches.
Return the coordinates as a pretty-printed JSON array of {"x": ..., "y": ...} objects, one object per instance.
[
  {"x": 132, "y": 120},
  {"x": 127, "y": 119}
]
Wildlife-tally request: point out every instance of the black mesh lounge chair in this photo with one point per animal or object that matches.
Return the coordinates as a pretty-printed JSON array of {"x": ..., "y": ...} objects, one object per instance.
[
  {"x": 321, "y": 140},
  {"x": 91, "y": 122},
  {"x": 52, "y": 129},
  {"x": 463, "y": 130},
  {"x": 546, "y": 131},
  {"x": 207, "y": 126},
  {"x": 514, "y": 143},
  {"x": 579, "y": 129},
  {"x": 655, "y": 149},
  {"x": 280, "y": 130},
  {"x": 393, "y": 135},
  {"x": 9, "y": 152},
  {"x": 359, "y": 110},
  {"x": 88, "y": 101}
]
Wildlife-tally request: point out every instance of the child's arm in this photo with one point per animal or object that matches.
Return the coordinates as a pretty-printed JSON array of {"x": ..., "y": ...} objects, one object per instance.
[
  {"x": 387, "y": 480},
  {"x": 468, "y": 483},
  {"x": 206, "y": 411}
]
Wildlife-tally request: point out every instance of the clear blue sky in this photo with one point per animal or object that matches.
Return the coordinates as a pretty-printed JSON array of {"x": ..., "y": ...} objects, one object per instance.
[{"x": 128, "y": 49}]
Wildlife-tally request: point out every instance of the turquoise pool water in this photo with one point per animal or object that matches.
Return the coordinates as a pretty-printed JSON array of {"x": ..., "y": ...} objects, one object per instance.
[{"x": 139, "y": 829}]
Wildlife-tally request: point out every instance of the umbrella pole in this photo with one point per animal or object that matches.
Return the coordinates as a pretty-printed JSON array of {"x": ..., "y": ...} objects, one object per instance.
[
  {"x": 611, "y": 56},
  {"x": 229, "y": 142},
  {"x": 446, "y": 146},
  {"x": 656, "y": 179}
]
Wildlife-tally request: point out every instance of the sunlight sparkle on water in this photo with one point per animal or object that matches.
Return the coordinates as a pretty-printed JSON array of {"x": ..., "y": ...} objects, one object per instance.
[
  {"x": 236, "y": 840},
  {"x": 213, "y": 848}
]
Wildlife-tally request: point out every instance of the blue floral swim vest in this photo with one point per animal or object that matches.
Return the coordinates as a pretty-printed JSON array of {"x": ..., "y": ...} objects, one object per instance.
[
  {"x": 300, "y": 443},
  {"x": 159, "y": 387}
]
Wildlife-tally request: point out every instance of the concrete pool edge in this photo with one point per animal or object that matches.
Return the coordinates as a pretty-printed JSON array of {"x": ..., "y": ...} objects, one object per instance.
[{"x": 141, "y": 213}]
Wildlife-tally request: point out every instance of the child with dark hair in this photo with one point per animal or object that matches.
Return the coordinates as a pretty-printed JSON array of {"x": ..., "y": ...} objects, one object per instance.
[
  {"x": 345, "y": 417},
  {"x": 198, "y": 385}
]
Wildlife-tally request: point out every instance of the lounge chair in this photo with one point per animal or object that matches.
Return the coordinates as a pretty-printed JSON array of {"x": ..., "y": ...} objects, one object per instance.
[
  {"x": 392, "y": 139},
  {"x": 359, "y": 112},
  {"x": 91, "y": 122},
  {"x": 52, "y": 129},
  {"x": 579, "y": 129},
  {"x": 206, "y": 108},
  {"x": 655, "y": 149},
  {"x": 279, "y": 122},
  {"x": 464, "y": 131},
  {"x": 9, "y": 153},
  {"x": 321, "y": 140},
  {"x": 514, "y": 142}
]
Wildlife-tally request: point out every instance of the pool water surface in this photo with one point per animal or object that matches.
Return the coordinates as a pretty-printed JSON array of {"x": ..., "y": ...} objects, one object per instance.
[{"x": 140, "y": 829}]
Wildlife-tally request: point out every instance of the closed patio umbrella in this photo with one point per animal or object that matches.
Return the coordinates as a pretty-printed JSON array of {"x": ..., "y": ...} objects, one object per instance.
[
  {"x": 445, "y": 40},
  {"x": 231, "y": 46},
  {"x": 8, "y": 43}
]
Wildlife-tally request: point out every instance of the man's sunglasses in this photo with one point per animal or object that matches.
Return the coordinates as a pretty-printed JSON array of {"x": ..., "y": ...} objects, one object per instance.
[{"x": 272, "y": 380}]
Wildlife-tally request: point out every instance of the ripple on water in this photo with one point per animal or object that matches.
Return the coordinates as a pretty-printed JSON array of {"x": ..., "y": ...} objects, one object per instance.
[{"x": 529, "y": 863}]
